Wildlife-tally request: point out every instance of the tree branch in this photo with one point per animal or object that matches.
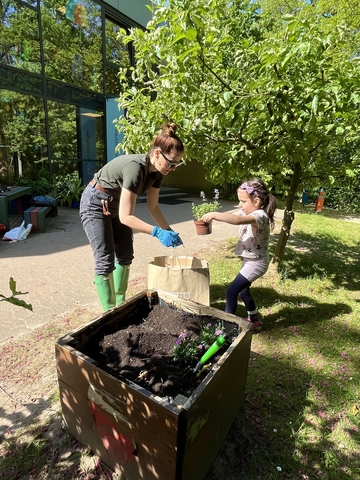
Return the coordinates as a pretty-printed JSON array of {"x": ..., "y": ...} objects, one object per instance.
[
  {"x": 315, "y": 148},
  {"x": 215, "y": 139},
  {"x": 277, "y": 71},
  {"x": 224, "y": 84}
]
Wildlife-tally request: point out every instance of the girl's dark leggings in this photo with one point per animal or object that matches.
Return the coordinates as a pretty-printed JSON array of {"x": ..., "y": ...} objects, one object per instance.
[{"x": 240, "y": 286}]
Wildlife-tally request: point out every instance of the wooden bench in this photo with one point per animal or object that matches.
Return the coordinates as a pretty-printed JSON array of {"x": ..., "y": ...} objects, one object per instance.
[
  {"x": 7, "y": 197},
  {"x": 36, "y": 216}
]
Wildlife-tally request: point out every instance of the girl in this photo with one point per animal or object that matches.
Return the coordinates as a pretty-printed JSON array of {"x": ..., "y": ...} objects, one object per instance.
[
  {"x": 107, "y": 211},
  {"x": 256, "y": 219}
]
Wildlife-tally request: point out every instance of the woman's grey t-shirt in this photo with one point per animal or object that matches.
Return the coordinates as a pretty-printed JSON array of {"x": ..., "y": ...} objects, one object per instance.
[{"x": 130, "y": 172}]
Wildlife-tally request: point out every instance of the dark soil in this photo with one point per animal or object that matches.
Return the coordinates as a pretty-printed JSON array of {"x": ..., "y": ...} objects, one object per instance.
[{"x": 144, "y": 353}]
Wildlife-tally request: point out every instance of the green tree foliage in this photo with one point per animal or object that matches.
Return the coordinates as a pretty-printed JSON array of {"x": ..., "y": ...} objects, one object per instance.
[
  {"x": 330, "y": 13},
  {"x": 251, "y": 94}
]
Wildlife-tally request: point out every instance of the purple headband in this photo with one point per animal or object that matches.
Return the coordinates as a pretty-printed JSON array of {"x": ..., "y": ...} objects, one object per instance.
[{"x": 251, "y": 190}]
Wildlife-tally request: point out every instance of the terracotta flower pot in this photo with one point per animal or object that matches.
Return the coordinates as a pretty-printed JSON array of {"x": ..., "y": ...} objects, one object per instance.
[{"x": 203, "y": 228}]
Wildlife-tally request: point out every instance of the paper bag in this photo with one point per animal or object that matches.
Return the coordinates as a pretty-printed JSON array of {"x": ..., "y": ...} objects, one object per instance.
[
  {"x": 186, "y": 277},
  {"x": 18, "y": 233}
]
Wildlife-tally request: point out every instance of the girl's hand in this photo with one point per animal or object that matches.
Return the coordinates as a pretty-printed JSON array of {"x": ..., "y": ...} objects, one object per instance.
[{"x": 207, "y": 217}]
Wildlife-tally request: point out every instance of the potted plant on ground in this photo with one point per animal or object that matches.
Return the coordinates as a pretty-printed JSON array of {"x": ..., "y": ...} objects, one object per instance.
[
  {"x": 70, "y": 189},
  {"x": 42, "y": 183},
  {"x": 198, "y": 211}
]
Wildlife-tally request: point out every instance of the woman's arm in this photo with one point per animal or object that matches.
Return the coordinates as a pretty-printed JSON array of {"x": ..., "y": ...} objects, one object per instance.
[
  {"x": 232, "y": 218},
  {"x": 154, "y": 210},
  {"x": 126, "y": 213}
]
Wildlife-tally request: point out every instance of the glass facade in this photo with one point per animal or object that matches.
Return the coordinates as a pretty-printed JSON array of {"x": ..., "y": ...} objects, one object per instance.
[
  {"x": 58, "y": 67},
  {"x": 19, "y": 38},
  {"x": 72, "y": 42}
]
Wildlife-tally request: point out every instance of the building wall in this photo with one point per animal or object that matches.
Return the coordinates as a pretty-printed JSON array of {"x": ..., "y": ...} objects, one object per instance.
[
  {"x": 136, "y": 10},
  {"x": 190, "y": 178}
]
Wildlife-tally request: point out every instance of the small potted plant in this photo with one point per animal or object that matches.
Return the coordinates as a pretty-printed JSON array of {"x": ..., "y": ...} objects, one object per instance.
[
  {"x": 70, "y": 189},
  {"x": 198, "y": 211}
]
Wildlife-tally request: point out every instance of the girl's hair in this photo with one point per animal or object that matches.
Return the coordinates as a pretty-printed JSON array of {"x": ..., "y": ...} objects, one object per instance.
[
  {"x": 167, "y": 140},
  {"x": 257, "y": 188}
]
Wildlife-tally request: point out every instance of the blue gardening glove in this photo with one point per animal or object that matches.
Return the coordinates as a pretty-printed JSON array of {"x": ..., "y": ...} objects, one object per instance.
[{"x": 167, "y": 237}]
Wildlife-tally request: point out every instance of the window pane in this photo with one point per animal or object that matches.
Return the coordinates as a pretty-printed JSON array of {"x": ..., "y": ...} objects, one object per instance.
[
  {"x": 22, "y": 136},
  {"x": 92, "y": 147},
  {"x": 117, "y": 55},
  {"x": 63, "y": 132},
  {"x": 73, "y": 42},
  {"x": 33, "y": 3},
  {"x": 115, "y": 51},
  {"x": 112, "y": 81},
  {"x": 19, "y": 37}
]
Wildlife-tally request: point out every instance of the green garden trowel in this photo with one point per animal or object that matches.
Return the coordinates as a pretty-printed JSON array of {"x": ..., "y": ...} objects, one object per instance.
[{"x": 211, "y": 351}]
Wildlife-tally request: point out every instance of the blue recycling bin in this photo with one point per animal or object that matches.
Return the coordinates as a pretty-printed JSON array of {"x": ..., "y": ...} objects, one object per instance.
[{"x": 305, "y": 197}]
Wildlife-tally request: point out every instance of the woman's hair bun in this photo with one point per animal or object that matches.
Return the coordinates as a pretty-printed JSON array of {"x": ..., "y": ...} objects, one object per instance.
[
  {"x": 169, "y": 129},
  {"x": 167, "y": 140}
]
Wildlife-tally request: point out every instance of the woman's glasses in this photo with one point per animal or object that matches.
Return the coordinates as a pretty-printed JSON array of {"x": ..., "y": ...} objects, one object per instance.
[{"x": 170, "y": 163}]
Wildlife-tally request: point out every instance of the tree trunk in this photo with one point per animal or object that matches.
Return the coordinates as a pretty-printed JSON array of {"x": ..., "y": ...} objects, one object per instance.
[{"x": 288, "y": 218}]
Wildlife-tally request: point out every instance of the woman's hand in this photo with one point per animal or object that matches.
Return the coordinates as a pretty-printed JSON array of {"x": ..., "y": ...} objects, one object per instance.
[{"x": 168, "y": 238}]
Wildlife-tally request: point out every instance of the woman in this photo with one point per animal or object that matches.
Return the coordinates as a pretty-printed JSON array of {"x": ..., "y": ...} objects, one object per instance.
[{"x": 107, "y": 211}]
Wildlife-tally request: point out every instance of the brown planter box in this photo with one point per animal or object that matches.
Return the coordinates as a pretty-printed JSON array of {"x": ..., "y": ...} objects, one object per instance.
[{"x": 135, "y": 433}]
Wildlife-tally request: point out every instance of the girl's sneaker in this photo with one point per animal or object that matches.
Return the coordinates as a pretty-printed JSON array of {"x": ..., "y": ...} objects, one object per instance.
[{"x": 256, "y": 325}]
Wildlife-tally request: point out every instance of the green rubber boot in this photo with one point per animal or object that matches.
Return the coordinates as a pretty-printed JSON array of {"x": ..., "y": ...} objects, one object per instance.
[
  {"x": 121, "y": 278},
  {"x": 105, "y": 289}
]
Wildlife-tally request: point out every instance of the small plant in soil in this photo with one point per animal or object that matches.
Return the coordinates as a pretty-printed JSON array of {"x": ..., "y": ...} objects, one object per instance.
[
  {"x": 188, "y": 349},
  {"x": 143, "y": 352}
]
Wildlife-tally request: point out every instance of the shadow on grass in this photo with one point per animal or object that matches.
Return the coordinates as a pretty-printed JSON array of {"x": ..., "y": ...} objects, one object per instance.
[
  {"x": 279, "y": 426},
  {"x": 300, "y": 417},
  {"x": 42, "y": 449},
  {"x": 321, "y": 255},
  {"x": 289, "y": 314},
  {"x": 35, "y": 449},
  {"x": 271, "y": 438},
  {"x": 309, "y": 258}
]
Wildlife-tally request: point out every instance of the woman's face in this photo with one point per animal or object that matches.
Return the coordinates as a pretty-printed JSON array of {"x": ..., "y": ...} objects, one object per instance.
[
  {"x": 248, "y": 204},
  {"x": 166, "y": 163}
]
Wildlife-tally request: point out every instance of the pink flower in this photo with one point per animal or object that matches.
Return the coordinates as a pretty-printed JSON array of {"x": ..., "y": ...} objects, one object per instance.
[{"x": 322, "y": 414}]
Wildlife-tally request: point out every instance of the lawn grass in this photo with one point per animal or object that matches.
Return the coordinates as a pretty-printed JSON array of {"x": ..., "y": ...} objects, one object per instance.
[
  {"x": 300, "y": 419},
  {"x": 301, "y": 415}
]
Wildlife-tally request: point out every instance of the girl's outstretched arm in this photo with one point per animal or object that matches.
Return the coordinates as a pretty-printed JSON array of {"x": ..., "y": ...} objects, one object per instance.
[{"x": 232, "y": 218}]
